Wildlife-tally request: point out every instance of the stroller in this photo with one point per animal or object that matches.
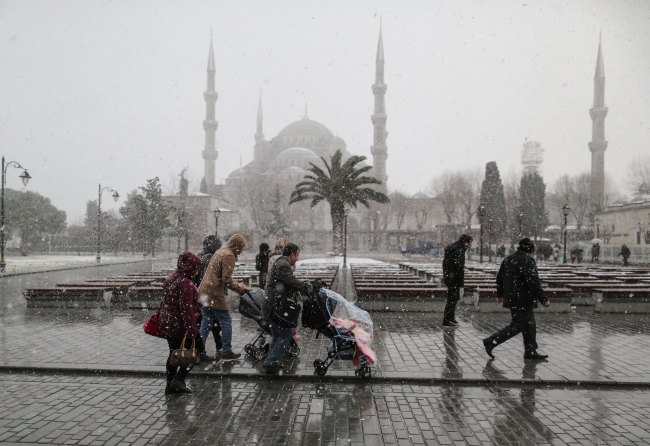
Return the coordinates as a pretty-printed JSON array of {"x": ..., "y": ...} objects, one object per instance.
[
  {"x": 250, "y": 305},
  {"x": 349, "y": 328}
]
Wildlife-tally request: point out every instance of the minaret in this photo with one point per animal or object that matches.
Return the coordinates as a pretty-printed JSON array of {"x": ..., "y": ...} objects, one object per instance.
[
  {"x": 210, "y": 125},
  {"x": 260, "y": 143},
  {"x": 598, "y": 145},
  {"x": 379, "y": 150}
]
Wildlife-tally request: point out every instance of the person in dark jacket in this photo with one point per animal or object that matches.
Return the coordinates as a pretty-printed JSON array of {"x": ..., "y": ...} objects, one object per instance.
[
  {"x": 178, "y": 316},
  {"x": 453, "y": 275},
  {"x": 262, "y": 263},
  {"x": 519, "y": 288},
  {"x": 595, "y": 253},
  {"x": 625, "y": 252},
  {"x": 210, "y": 245},
  {"x": 281, "y": 284}
]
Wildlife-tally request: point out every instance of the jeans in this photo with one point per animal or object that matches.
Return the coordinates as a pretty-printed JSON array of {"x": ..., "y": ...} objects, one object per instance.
[
  {"x": 216, "y": 333},
  {"x": 209, "y": 315},
  {"x": 453, "y": 294},
  {"x": 523, "y": 321},
  {"x": 280, "y": 339},
  {"x": 172, "y": 371}
]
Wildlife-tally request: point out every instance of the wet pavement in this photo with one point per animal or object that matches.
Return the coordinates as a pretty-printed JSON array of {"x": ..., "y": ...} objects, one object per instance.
[{"x": 432, "y": 386}]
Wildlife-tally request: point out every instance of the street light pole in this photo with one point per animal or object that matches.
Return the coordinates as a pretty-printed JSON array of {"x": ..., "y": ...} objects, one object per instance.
[
  {"x": 521, "y": 218},
  {"x": 481, "y": 215},
  {"x": 490, "y": 241},
  {"x": 216, "y": 212},
  {"x": 565, "y": 211},
  {"x": 346, "y": 211},
  {"x": 23, "y": 176},
  {"x": 99, "y": 218}
]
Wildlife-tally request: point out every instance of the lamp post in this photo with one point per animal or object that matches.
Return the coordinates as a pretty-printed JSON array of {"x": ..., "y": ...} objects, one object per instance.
[
  {"x": 490, "y": 240},
  {"x": 565, "y": 211},
  {"x": 23, "y": 176},
  {"x": 115, "y": 196},
  {"x": 481, "y": 218},
  {"x": 216, "y": 213},
  {"x": 346, "y": 211},
  {"x": 520, "y": 219},
  {"x": 597, "y": 227}
]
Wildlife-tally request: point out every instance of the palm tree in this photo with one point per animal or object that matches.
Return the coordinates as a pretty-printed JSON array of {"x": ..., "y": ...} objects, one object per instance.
[{"x": 340, "y": 185}]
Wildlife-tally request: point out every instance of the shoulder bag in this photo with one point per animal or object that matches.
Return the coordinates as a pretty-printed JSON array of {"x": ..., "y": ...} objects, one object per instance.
[{"x": 182, "y": 357}]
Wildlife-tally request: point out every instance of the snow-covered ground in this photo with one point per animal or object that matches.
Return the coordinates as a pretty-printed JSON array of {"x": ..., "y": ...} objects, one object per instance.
[
  {"x": 338, "y": 260},
  {"x": 39, "y": 263}
]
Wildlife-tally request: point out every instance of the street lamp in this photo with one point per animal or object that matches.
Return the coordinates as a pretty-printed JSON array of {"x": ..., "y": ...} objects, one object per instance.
[
  {"x": 216, "y": 213},
  {"x": 115, "y": 196},
  {"x": 23, "y": 176},
  {"x": 565, "y": 211},
  {"x": 481, "y": 217},
  {"x": 346, "y": 211},
  {"x": 520, "y": 219},
  {"x": 597, "y": 227},
  {"x": 490, "y": 241}
]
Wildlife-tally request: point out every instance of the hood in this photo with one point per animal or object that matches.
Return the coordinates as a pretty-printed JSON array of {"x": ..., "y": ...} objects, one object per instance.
[
  {"x": 237, "y": 243},
  {"x": 211, "y": 244},
  {"x": 188, "y": 264}
]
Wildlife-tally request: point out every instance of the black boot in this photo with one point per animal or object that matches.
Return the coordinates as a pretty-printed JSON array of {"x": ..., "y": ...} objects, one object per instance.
[{"x": 489, "y": 345}]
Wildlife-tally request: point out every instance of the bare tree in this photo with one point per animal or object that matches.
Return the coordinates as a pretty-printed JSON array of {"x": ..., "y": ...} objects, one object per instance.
[
  {"x": 638, "y": 174},
  {"x": 445, "y": 190},
  {"x": 399, "y": 207},
  {"x": 469, "y": 193}
]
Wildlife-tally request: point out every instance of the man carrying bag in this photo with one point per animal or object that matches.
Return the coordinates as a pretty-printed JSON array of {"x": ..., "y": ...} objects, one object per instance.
[{"x": 281, "y": 308}]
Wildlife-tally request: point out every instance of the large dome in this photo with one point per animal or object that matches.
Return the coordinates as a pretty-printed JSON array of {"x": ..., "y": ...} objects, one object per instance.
[
  {"x": 305, "y": 127},
  {"x": 297, "y": 152}
]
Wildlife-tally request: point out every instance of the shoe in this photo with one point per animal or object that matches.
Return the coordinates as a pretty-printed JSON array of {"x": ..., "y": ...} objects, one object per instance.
[
  {"x": 178, "y": 386},
  {"x": 534, "y": 355},
  {"x": 207, "y": 358},
  {"x": 455, "y": 321},
  {"x": 273, "y": 370},
  {"x": 450, "y": 324},
  {"x": 489, "y": 346},
  {"x": 230, "y": 356}
]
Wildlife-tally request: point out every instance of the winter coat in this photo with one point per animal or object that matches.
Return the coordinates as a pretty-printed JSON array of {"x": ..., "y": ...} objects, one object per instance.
[
  {"x": 281, "y": 284},
  {"x": 178, "y": 315},
  {"x": 518, "y": 282},
  {"x": 453, "y": 265},
  {"x": 595, "y": 250},
  {"x": 218, "y": 276},
  {"x": 262, "y": 263},
  {"x": 625, "y": 251},
  {"x": 205, "y": 255}
]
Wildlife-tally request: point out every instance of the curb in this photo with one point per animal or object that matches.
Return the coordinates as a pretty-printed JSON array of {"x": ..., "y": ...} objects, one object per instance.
[{"x": 337, "y": 377}]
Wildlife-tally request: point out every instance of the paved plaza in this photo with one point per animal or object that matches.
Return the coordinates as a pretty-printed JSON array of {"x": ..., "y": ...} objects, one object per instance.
[{"x": 91, "y": 376}]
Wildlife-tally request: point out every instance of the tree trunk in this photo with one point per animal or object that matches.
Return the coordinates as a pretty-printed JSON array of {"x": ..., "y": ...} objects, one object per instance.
[{"x": 337, "y": 213}]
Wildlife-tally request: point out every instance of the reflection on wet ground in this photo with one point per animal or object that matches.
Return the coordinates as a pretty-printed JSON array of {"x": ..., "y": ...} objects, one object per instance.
[{"x": 224, "y": 411}]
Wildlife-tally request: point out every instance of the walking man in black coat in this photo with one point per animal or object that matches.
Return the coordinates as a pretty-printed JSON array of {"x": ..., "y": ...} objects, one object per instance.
[
  {"x": 453, "y": 275},
  {"x": 519, "y": 289}
]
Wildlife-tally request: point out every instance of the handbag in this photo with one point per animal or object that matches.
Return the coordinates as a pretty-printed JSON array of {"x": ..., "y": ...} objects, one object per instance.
[
  {"x": 151, "y": 326},
  {"x": 286, "y": 313},
  {"x": 182, "y": 357}
]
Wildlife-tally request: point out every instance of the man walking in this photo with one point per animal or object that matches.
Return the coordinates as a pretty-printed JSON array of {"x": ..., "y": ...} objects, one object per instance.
[
  {"x": 211, "y": 244},
  {"x": 281, "y": 284},
  {"x": 453, "y": 274},
  {"x": 212, "y": 293},
  {"x": 519, "y": 289}
]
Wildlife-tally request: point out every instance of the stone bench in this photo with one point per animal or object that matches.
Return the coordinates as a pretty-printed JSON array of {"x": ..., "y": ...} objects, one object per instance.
[
  {"x": 401, "y": 299},
  {"x": 136, "y": 280},
  {"x": 583, "y": 293},
  {"x": 119, "y": 289},
  {"x": 76, "y": 297},
  {"x": 622, "y": 300},
  {"x": 485, "y": 301},
  {"x": 145, "y": 297}
]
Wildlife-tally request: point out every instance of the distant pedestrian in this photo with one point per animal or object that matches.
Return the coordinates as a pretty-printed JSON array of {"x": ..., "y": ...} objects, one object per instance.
[
  {"x": 595, "y": 253},
  {"x": 262, "y": 263},
  {"x": 281, "y": 284},
  {"x": 178, "y": 316},
  {"x": 556, "y": 253},
  {"x": 211, "y": 244},
  {"x": 519, "y": 288},
  {"x": 212, "y": 293},
  {"x": 453, "y": 275},
  {"x": 277, "y": 251},
  {"x": 625, "y": 253}
]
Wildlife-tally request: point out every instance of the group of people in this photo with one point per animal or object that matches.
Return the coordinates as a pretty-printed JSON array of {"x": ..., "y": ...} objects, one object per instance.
[
  {"x": 518, "y": 288},
  {"x": 194, "y": 302}
]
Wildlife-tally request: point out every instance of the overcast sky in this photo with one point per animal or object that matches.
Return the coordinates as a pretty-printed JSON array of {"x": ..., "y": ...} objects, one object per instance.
[{"x": 112, "y": 92}]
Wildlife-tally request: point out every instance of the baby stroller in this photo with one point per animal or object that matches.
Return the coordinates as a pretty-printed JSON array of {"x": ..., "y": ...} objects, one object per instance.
[
  {"x": 349, "y": 328},
  {"x": 250, "y": 305}
]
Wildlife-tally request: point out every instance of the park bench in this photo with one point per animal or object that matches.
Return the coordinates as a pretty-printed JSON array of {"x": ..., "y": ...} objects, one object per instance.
[
  {"x": 75, "y": 297},
  {"x": 148, "y": 297},
  {"x": 119, "y": 289},
  {"x": 622, "y": 300},
  {"x": 485, "y": 301},
  {"x": 399, "y": 298}
]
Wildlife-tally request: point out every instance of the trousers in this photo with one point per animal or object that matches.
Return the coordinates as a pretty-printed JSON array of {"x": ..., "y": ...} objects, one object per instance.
[
  {"x": 280, "y": 339},
  {"x": 208, "y": 316},
  {"x": 453, "y": 294},
  {"x": 523, "y": 321}
]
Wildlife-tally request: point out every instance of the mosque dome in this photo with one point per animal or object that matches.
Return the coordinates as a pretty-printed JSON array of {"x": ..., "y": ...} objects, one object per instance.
[
  {"x": 305, "y": 127},
  {"x": 420, "y": 195},
  {"x": 297, "y": 152},
  {"x": 293, "y": 169}
]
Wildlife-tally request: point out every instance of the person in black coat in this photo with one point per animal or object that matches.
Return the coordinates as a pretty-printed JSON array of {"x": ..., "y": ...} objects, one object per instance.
[
  {"x": 453, "y": 275},
  {"x": 211, "y": 244},
  {"x": 519, "y": 288},
  {"x": 625, "y": 252}
]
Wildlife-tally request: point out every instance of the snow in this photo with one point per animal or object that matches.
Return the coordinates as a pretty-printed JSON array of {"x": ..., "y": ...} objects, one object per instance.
[
  {"x": 39, "y": 263},
  {"x": 338, "y": 260}
]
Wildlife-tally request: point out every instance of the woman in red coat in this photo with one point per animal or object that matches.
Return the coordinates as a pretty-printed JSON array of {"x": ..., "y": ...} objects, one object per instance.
[{"x": 178, "y": 315}]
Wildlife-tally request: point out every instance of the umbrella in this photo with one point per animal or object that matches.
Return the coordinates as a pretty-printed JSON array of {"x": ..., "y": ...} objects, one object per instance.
[{"x": 596, "y": 240}]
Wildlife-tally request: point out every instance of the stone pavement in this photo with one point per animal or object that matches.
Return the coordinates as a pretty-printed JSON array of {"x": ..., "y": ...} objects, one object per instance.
[
  {"x": 49, "y": 409},
  {"x": 583, "y": 347}
]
